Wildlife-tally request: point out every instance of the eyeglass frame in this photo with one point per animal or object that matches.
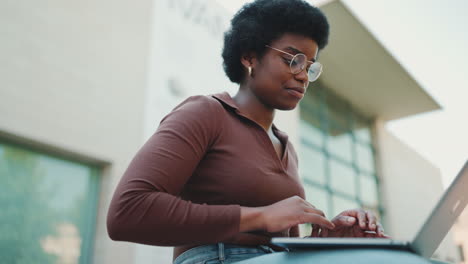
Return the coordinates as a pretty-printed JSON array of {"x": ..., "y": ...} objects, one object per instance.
[{"x": 293, "y": 56}]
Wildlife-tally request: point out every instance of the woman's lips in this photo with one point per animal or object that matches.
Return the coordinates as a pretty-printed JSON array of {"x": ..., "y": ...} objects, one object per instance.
[{"x": 297, "y": 92}]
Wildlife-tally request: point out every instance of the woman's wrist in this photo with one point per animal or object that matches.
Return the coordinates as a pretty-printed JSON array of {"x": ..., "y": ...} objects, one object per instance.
[{"x": 251, "y": 219}]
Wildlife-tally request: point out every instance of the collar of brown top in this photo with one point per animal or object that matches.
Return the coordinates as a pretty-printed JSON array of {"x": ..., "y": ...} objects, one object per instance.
[{"x": 227, "y": 100}]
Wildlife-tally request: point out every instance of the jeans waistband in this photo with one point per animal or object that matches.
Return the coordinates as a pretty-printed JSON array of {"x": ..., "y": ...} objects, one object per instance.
[{"x": 221, "y": 251}]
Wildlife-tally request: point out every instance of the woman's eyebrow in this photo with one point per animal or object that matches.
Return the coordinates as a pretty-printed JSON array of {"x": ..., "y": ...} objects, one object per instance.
[{"x": 296, "y": 51}]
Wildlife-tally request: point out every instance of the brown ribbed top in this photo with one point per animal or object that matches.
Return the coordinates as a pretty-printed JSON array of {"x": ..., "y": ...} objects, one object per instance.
[{"x": 186, "y": 184}]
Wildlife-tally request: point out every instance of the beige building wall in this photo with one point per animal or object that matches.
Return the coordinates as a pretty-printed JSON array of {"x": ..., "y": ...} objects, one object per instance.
[
  {"x": 410, "y": 188},
  {"x": 72, "y": 77}
]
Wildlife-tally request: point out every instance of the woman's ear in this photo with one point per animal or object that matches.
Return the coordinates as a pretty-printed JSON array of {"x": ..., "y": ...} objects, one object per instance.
[{"x": 248, "y": 60}]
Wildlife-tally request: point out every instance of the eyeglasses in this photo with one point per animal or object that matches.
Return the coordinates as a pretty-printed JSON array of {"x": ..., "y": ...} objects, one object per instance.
[{"x": 299, "y": 62}]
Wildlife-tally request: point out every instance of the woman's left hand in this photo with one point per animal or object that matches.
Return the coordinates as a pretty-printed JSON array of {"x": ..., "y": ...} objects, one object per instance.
[{"x": 352, "y": 223}]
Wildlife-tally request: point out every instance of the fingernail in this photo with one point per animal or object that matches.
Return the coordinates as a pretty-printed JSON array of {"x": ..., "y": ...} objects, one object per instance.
[
  {"x": 373, "y": 226},
  {"x": 350, "y": 219}
]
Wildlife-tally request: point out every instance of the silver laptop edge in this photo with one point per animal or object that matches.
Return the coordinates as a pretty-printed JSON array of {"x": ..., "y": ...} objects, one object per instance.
[
  {"x": 429, "y": 236},
  {"x": 441, "y": 219},
  {"x": 332, "y": 241}
]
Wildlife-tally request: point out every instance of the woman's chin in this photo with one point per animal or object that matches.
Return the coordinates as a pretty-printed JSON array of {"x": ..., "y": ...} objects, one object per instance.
[{"x": 287, "y": 107}]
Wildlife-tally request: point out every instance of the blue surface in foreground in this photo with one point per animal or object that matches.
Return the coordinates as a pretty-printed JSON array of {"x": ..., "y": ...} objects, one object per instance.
[{"x": 339, "y": 256}]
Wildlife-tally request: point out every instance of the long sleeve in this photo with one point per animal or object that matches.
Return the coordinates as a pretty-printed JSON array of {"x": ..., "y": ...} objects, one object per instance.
[{"x": 146, "y": 208}]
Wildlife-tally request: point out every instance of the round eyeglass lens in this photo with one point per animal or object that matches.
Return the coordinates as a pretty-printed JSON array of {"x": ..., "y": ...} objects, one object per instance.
[
  {"x": 314, "y": 71},
  {"x": 298, "y": 63}
]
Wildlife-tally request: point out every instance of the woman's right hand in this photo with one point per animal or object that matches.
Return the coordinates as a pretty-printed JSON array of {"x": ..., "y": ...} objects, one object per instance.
[{"x": 282, "y": 215}]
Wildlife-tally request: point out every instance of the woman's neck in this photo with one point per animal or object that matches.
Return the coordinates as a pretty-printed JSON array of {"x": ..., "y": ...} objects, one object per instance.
[{"x": 251, "y": 106}]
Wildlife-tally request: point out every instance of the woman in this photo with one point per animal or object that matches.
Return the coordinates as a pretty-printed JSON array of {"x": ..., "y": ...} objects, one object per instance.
[{"x": 217, "y": 180}]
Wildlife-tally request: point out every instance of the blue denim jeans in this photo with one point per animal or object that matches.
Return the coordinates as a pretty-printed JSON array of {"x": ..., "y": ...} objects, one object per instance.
[{"x": 221, "y": 254}]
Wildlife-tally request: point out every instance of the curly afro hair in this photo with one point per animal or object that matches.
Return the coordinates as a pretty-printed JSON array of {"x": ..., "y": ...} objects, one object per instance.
[{"x": 261, "y": 22}]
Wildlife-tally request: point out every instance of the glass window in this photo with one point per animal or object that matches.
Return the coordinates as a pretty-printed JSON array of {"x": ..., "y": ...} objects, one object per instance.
[
  {"x": 340, "y": 144},
  {"x": 342, "y": 178},
  {"x": 310, "y": 134},
  {"x": 363, "y": 134},
  {"x": 312, "y": 165},
  {"x": 318, "y": 197},
  {"x": 365, "y": 157},
  {"x": 337, "y": 111},
  {"x": 341, "y": 204},
  {"x": 337, "y": 146},
  {"x": 361, "y": 128},
  {"x": 368, "y": 190},
  {"x": 48, "y": 208}
]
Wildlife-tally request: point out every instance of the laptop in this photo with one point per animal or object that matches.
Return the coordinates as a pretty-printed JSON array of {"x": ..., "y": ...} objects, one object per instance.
[{"x": 426, "y": 241}]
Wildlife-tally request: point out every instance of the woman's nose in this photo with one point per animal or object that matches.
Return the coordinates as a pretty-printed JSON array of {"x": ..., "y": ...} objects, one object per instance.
[{"x": 302, "y": 77}]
